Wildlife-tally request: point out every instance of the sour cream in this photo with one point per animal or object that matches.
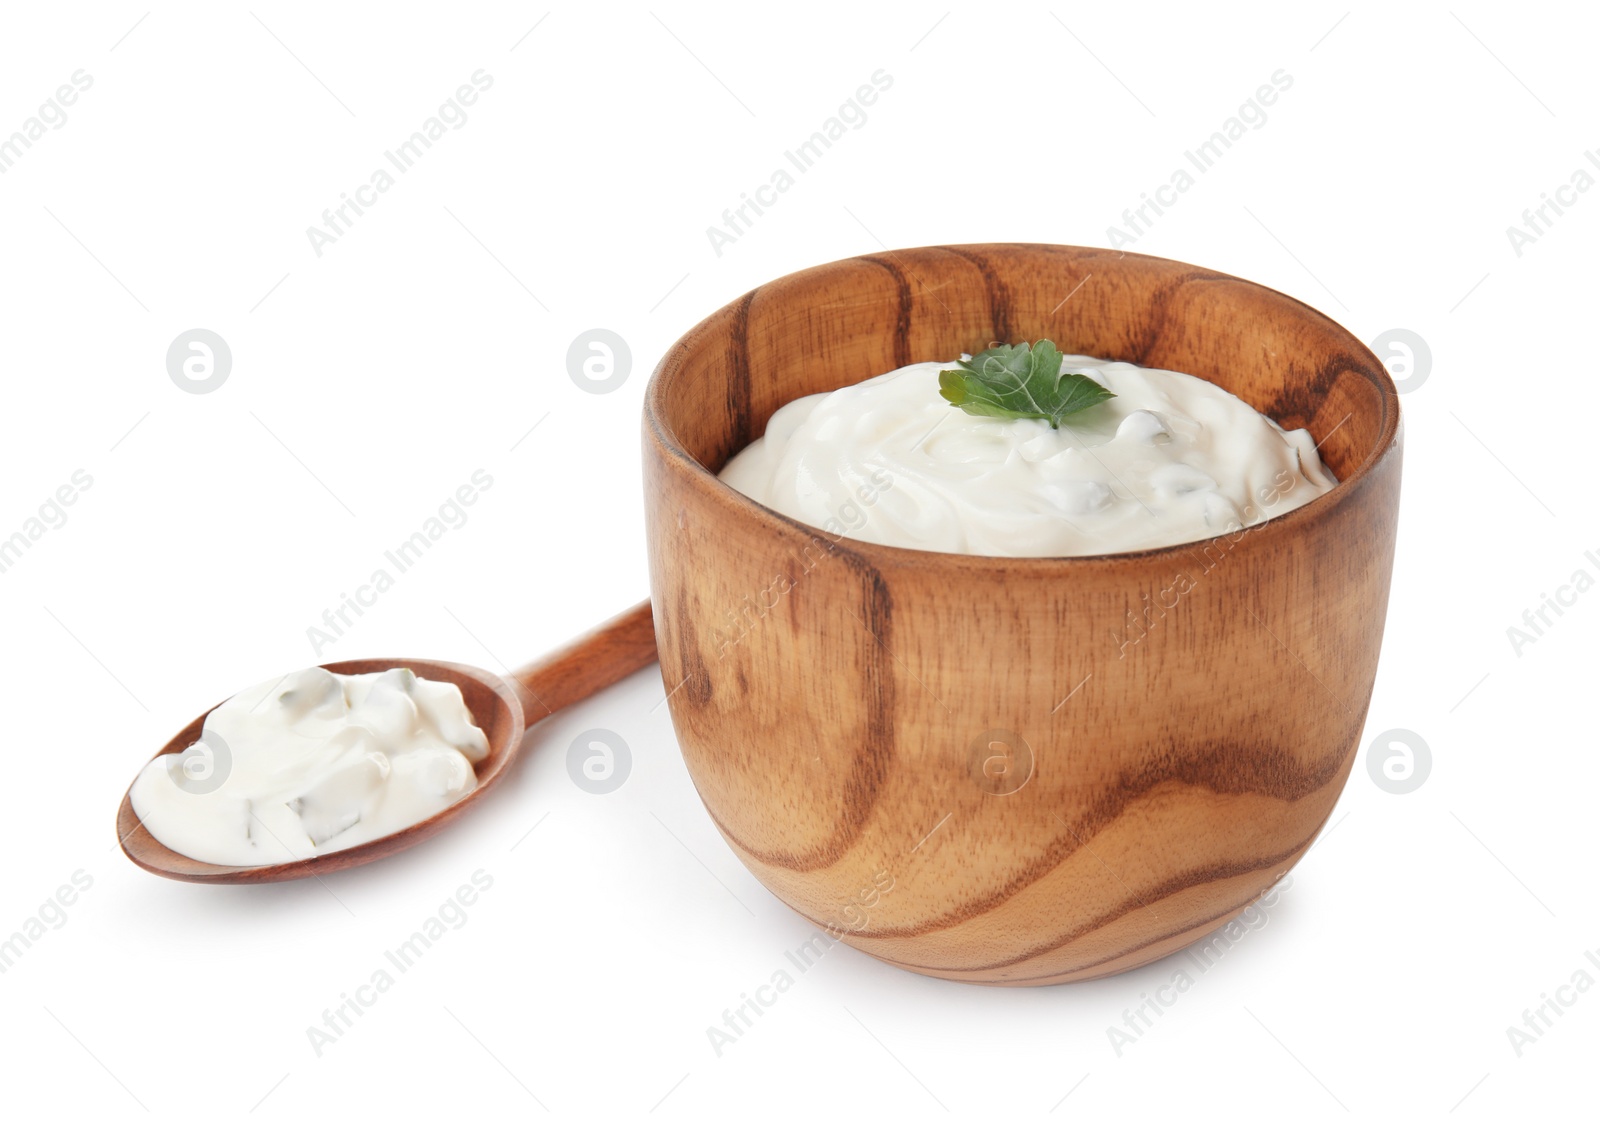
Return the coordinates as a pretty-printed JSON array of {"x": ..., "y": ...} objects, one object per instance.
[
  {"x": 1172, "y": 459},
  {"x": 312, "y": 763}
]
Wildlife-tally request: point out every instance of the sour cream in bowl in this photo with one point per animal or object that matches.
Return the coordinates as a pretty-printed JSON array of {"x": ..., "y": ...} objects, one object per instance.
[{"x": 1170, "y": 459}]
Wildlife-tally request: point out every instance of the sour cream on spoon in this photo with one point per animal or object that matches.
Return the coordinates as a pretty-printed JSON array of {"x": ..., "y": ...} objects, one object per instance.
[{"x": 311, "y": 763}]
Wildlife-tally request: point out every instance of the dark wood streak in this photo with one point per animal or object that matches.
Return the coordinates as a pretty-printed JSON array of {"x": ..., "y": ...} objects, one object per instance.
[
  {"x": 902, "y": 327},
  {"x": 1160, "y": 316},
  {"x": 696, "y": 679},
  {"x": 1200, "y": 924},
  {"x": 865, "y": 782},
  {"x": 738, "y": 386},
  {"x": 861, "y": 793},
  {"x": 999, "y": 294},
  {"x": 1204, "y": 924},
  {"x": 1195, "y": 877},
  {"x": 1300, "y": 401},
  {"x": 1220, "y": 768}
]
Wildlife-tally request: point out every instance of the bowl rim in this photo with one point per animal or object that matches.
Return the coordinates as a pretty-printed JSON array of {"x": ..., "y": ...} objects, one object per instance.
[{"x": 1287, "y": 524}]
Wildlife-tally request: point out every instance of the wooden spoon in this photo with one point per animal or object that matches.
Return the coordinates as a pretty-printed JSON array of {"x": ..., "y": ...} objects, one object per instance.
[{"x": 501, "y": 706}]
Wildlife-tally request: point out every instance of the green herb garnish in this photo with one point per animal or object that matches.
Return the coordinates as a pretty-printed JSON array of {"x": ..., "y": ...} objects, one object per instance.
[{"x": 1020, "y": 381}]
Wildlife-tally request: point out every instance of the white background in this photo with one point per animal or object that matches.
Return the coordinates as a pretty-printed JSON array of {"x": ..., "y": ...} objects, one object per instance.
[{"x": 369, "y": 382}]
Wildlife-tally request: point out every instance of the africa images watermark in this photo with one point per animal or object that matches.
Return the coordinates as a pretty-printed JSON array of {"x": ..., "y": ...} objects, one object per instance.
[
  {"x": 50, "y": 516},
  {"x": 1203, "y": 956},
  {"x": 449, "y": 516},
  {"x": 737, "y": 220},
  {"x": 1537, "y": 620},
  {"x": 1538, "y": 1020},
  {"x": 853, "y": 918},
  {"x": 1252, "y": 115},
  {"x": 51, "y": 915},
  {"x": 1538, "y": 221},
  {"x": 402, "y": 158},
  {"x": 53, "y": 113},
  {"x": 451, "y": 915}
]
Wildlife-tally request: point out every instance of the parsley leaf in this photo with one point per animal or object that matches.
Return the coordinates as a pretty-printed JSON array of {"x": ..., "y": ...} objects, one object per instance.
[{"x": 1020, "y": 381}]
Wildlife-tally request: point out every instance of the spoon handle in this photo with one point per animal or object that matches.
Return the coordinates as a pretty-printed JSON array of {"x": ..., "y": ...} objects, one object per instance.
[{"x": 594, "y": 661}]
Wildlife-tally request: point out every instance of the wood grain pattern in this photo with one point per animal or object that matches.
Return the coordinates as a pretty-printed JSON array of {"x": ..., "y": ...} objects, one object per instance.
[
  {"x": 503, "y": 707},
  {"x": 1179, "y": 722},
  {"x": 582, "y": 667}
]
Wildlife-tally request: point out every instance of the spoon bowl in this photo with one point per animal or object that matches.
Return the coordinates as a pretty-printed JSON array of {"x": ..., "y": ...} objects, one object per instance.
[{"x": 504, "y": 707}]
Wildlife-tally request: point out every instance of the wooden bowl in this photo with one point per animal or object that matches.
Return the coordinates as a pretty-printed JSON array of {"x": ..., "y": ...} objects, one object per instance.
[{"x": 1016, "y": 771}]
